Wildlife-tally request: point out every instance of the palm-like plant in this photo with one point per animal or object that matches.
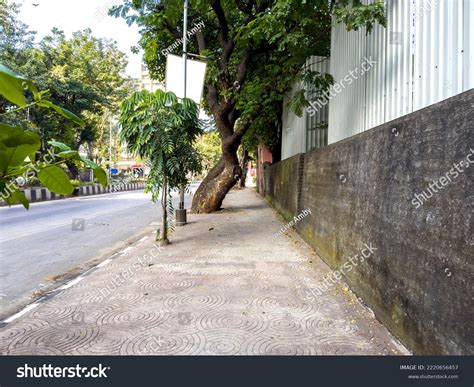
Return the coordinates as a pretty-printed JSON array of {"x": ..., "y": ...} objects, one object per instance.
[{"x": 161, "y": 129}]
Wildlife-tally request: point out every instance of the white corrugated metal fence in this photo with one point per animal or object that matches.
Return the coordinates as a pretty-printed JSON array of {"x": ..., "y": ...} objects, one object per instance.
[{"x": 424, "y": 55}]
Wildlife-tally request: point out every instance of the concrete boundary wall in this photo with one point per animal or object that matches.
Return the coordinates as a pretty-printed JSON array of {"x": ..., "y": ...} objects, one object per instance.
[
  {"x": 281, "y": 183},
  {"x": 405, "y": 188},
  {"x": 43, "y": 194}
]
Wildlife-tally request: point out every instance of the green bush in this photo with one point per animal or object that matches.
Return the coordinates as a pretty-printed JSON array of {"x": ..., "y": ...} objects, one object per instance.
[
  {"x": 79, "y": 183},
  {"x": 33, "y": 182}
]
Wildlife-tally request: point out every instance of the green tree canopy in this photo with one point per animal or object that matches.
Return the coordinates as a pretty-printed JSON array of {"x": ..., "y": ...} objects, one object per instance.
[
  {"x": 18, "y": 147},
  {"x": 255, "y": 50},
  {"x": 83, "y": 73}
]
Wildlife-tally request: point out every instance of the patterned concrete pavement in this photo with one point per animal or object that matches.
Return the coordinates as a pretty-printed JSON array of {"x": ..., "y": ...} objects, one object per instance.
[{"x": 223, "y": 287}]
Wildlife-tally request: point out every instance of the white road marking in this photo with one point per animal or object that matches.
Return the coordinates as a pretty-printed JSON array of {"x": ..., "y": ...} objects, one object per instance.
[
  {"x": 21, "y": 313},
  {"x": 123, "y": 252},
  {"x": 72, "y": 283},
  {"x": 108, "y": 260}
]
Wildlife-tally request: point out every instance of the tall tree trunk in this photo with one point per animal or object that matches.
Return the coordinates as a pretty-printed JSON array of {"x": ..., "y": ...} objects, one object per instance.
[
  {"x": 220, "y": 179},
  {"x": 73, "y": 170},
  {"x": 218, "y": 182},
  {"x": 244, "y": 166}
]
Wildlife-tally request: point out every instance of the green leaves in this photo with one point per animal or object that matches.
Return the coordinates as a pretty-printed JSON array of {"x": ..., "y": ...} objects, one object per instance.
[
  {"x": 15, "y": 146},
  {"x": 99, "y": 173},
  {"x": 360, "y": 15},
  {"x": 18, "y": 146},
  {"x": 56, "y": 180},
  {"x": 18, "y": 197},
  {"x": 64, "y": 112},
  {"x": 12, "y": 86},
  {"x": 68, "y": 154},
  {"x": 62, "y": 147}
]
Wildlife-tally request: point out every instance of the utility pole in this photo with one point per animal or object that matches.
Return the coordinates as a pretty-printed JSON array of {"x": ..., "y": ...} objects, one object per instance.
[{"x": 181, "y": 218}]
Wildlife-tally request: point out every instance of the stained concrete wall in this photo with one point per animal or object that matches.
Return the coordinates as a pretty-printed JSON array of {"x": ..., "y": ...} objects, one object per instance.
[
  {"x": 419, "y": 281},
  {"x": 281, "y": 185}
]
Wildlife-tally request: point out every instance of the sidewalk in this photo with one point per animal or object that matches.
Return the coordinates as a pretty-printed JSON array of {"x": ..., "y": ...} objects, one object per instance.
[{"x": 223, "y": 287}]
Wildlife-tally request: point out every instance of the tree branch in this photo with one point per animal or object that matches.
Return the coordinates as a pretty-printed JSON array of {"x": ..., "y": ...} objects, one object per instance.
[
  {"x": 212, "y": 99},
  {"x": 224, "y": 28},
  {"x": 174, "y": 32},
  {"x": 245, "y": 7},
  {"x": 200, "y": 41},
  {"x": 239, "y": 133}
]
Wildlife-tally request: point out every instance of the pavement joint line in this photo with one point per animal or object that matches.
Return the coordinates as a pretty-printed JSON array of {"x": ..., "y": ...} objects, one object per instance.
[{"x": 142, "y": 239}]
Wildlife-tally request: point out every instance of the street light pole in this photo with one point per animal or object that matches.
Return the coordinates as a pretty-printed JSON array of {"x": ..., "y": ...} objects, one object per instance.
[
  {"x": 185, "y": 38},
  {"x": 181, "y": 212},
  {"x": 110, "y": 148}
]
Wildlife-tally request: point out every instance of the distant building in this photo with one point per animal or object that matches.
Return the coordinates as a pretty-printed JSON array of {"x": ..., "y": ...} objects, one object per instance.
[
  {"x": 135, "y": 84},
  {"x": 146, "y": 83},
  {"x": 127, "y": 162}
]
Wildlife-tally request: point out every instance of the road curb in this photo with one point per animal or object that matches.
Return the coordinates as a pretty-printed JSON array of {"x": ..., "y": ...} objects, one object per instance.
[{"x": 41, "y": 194}]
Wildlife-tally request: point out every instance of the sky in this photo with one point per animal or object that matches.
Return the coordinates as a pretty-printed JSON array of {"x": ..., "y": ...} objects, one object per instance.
[{"x": 73, "y": 15}]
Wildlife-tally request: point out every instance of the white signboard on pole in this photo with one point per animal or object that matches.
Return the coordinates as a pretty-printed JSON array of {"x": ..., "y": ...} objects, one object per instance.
[{"x": 196, "y": 71}]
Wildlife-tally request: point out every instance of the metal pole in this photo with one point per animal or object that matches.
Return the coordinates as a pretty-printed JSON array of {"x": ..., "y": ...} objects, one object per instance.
[
  {"x": 185, "y": 38},
  {"x": 110, "y": 148},
  {"x": 185, "y": 57},
  {"x": 181, "y": 212}
]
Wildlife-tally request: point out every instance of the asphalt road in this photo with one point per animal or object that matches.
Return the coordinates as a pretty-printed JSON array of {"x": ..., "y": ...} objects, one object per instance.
[{"x": 54, "y": 241}]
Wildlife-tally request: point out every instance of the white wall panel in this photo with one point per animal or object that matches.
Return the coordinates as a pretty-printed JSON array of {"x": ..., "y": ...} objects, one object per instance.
[
  {"x": 293, "y": 131},
  {"x": 468, "y": 44},
  {"x": 316, "y": 137},
  {"x": 295, "y": 136},
  {"x": 349, "y": 51}
]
